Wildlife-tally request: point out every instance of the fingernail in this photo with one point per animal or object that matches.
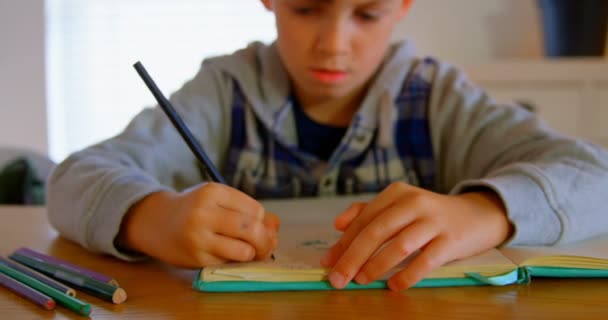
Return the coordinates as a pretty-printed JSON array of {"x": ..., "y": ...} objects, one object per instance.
[
  {"x": 337, "y": 280},
  {"x": 394, "y": 286},
  {"x": 361, "y": 278},
  {"x": 251, "y": 254}
]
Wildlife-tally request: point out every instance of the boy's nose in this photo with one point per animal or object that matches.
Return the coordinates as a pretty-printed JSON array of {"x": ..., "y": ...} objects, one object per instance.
[{"x": 334, "y": 38}]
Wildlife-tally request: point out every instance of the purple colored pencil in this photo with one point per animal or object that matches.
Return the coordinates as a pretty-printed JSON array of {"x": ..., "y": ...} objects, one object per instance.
[
  {"x": 21, "y": 289},
  {"x": 40, "y": 277},
  {"x": 56, "y": 261}
]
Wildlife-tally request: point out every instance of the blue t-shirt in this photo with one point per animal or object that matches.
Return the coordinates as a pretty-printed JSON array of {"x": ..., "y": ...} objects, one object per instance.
[{"x": 314, "y": 137}]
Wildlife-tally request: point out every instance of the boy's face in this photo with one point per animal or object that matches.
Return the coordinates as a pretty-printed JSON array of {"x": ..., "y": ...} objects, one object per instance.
[{"x": 331, "y": 48}]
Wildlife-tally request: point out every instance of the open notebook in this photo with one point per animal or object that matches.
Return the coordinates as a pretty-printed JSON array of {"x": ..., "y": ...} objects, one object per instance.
[{"x": 307, "y": 232}]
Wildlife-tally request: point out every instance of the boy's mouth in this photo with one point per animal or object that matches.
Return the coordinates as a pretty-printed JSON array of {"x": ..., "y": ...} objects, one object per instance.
[{"x": 329, "y": 76}]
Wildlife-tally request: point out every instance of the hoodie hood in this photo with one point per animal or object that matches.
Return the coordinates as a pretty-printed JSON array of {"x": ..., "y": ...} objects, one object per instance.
[{"x": 260, "y": 74}]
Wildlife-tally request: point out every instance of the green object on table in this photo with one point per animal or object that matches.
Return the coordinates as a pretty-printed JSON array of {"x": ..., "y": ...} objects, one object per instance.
[
  {"x": 21, "y": 184},
  {"x": 62, "y": 298},
  {"x": 514, "y": 276}
]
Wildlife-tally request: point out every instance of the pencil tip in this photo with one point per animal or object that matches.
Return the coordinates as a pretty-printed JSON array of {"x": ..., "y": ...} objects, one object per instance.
[
  {"x": 119, "y": 296},
  {"x": 50, "y": 305}
]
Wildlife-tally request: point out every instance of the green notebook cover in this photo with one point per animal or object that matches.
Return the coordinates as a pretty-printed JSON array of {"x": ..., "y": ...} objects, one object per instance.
[
  {"x": 307, "y": 232},
  {"x": 516, "y": 276}
]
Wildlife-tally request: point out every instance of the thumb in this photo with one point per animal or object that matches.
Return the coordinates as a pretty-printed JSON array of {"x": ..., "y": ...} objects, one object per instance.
[{"x": 271, "y": 220}]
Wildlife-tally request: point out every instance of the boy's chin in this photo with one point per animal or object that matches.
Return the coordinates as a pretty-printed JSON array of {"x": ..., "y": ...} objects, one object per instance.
[{"x": 327, "y": 93}]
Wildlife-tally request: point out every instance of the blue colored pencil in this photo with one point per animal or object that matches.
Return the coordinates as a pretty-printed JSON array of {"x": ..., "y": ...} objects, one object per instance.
[
  {"x": 67, "y": 265},
  {"x": 97, "y": 288},
  {"x": 40, "y": 299},
  {"x": 40, "y": 277},
  {"x": 61, "y": 298}
]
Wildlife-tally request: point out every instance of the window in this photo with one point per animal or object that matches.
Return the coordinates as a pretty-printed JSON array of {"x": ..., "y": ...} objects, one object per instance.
[{"x": 93, "y": 90}]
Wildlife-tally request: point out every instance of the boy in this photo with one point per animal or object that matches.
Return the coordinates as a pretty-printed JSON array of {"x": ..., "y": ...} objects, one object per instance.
[{"x": 332, "y": 108}]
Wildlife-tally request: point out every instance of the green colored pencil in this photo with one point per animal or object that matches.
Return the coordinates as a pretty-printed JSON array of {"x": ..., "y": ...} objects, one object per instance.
[
  {"x": 94, "y": 287},
  {"x": 62, "y": 298},
  {"x": 39, "y": 276}
]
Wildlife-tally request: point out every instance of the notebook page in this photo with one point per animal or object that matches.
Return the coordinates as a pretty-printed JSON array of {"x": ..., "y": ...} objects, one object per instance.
[
  {"x": 593, "y": 248},
  {"x": 307, "y": 232}
]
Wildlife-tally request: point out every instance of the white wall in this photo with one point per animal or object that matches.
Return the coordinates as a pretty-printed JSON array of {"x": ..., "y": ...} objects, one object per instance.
[
  {"x": 467, "y": 31},
  {"x": 22, "y": 77}
]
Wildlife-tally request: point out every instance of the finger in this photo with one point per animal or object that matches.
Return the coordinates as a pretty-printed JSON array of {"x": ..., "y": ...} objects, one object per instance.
[
  {"x": 274, "y": 241},
  {"x": 432, "y": 256},
  {"x": 344, "y": 219},
  {"x": 366, "y": 244},
  {"x": 231, "y": 249},
  {"x": 272, "y": 223},
  {"x": 385, "y": 225},
  {"x": 271, "y": 220},
  {"x": 392, "y": 193},
  {"x": 203, "y": 259},
  {"x": 235, "y": 200},
  {"x": 235, "y": 225},
  {"x": 337, "y": 250},
  {"x": 408, "y": 241}
]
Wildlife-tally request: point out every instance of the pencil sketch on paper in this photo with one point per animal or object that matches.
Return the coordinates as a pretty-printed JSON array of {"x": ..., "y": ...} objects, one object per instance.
[
  {"x": 318, "y": 244},
  {"x": 305, "y": 245}
]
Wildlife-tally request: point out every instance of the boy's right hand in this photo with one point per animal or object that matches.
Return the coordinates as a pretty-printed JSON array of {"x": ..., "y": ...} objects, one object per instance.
[{"x": 203, "y": 226}]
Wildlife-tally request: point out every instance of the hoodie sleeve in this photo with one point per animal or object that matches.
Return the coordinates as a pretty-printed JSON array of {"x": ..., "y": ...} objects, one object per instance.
[
  {"x": 91, "y": 190},
  {"x": 553, "y": 187}
]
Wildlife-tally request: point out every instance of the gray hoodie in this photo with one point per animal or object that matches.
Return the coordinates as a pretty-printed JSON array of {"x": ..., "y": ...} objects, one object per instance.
[{"x": 553, "y": 187}]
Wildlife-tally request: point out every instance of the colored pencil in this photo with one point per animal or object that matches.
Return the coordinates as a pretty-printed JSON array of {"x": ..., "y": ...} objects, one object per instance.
[
  {"x": 94, "y": 287},
  {"x": 60, "y": 297},
  {"x": 68, "y": 265},
  {"x": 40, "y": 299},
  {"x": 40, "y": 277}
]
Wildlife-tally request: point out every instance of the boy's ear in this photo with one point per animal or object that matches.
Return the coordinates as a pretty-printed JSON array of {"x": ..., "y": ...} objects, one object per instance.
[
  {"x": 267, "y": 4},
  {"x": 405, "y": 7}
]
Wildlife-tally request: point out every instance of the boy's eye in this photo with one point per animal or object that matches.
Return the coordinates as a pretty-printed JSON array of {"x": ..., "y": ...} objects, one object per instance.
[
  {"x": 368, "y": 16},
  {"x": 304, "y": 10}
]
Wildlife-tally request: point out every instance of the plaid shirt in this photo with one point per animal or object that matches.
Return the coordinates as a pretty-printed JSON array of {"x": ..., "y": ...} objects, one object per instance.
[{"x": 264, "y": 165}]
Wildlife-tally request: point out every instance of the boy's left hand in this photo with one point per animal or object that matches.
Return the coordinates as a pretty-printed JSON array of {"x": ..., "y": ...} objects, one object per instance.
[{"x": 403, "y": 219}]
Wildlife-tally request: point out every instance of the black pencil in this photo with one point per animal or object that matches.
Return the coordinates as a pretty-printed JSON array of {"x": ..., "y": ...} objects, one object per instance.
[
  {"x": 210, "y": 170},
  {"x": 179, "y": 124}
]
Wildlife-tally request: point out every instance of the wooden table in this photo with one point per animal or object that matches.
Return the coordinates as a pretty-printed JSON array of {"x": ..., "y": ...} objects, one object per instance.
[{"x": 159, "y": 291}]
